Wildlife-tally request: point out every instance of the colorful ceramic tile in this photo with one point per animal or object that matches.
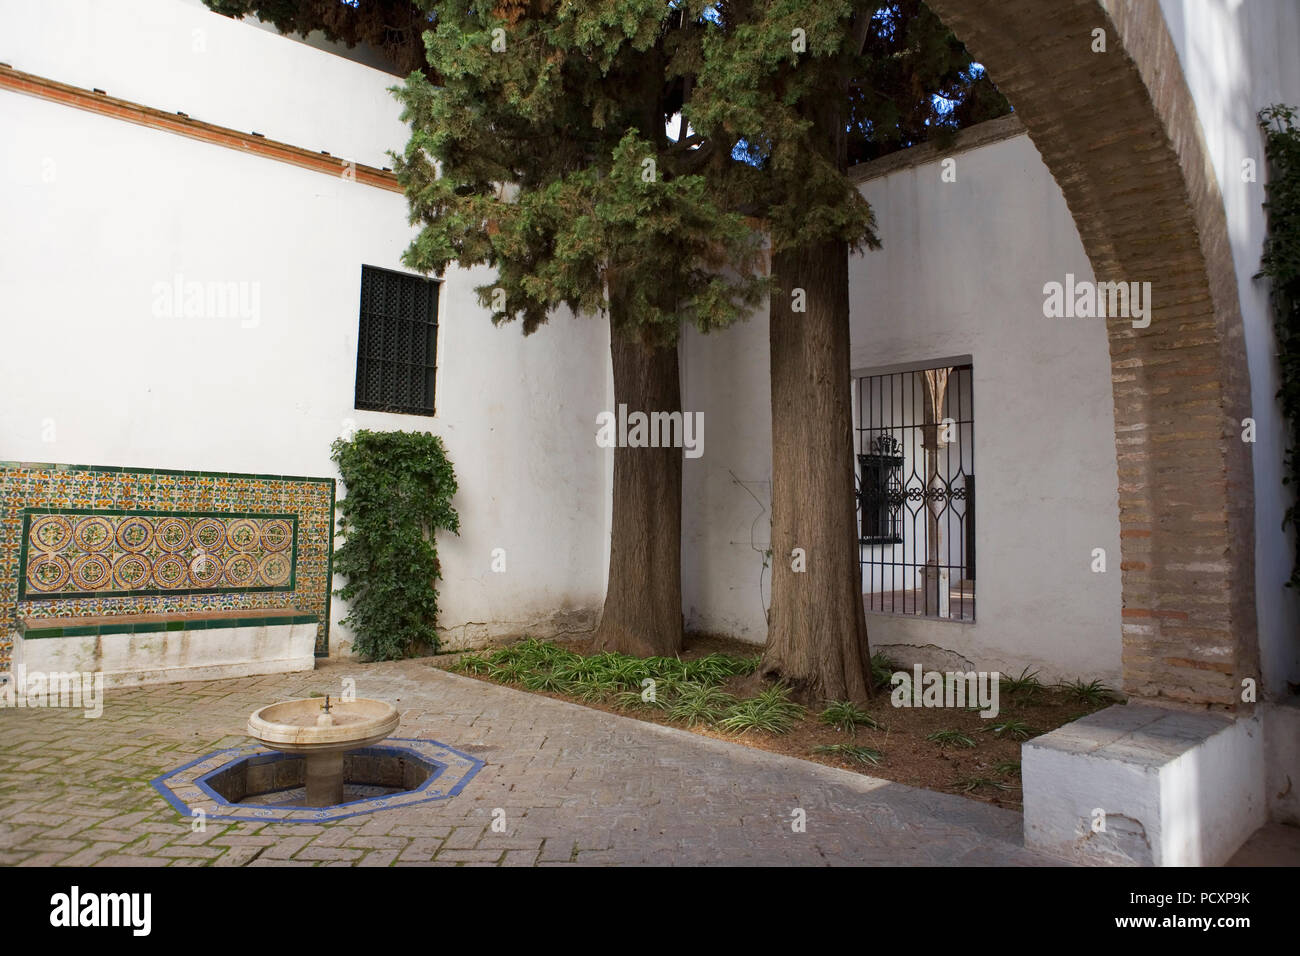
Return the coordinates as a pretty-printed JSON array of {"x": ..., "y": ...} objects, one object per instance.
[{"x": 268, "y": 543}]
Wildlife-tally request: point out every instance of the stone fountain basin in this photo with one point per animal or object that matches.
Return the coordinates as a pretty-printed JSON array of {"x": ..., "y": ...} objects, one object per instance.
[{"x": 293, "y": 726}]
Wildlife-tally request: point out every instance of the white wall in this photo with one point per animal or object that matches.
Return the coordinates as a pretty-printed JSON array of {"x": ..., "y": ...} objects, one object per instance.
[
  {"x": 176, "y": 55},
  {"x": 100, "y": 210},
  {"x": 727, "y": 491},
  {"x": 1239, "y": 57},
  {"x": 961, "y": 273}
]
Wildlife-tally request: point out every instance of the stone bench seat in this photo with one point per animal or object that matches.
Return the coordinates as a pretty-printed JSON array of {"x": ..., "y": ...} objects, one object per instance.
[{"x": 135, "y": 649}]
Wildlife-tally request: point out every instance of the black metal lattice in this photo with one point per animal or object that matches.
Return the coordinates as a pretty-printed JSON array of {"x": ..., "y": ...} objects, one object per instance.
[
  {"x": 397, "y": 342},
  {"x": 916, "y": 495}
]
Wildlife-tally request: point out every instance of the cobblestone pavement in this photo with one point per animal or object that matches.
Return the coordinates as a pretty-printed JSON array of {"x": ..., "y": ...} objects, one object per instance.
[{"x": 577, "y": 786}]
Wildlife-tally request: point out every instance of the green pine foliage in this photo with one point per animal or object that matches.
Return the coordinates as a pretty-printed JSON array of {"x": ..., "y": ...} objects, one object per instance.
[
  {"x": 917, "y": 84},
  {"x": 399, "y": 491},
  {"x": 809, "y": 87},
  {"x": 392, "y": 28},
  {"x": 544, "y": 155},
  {"x": 774, "y": 75}
]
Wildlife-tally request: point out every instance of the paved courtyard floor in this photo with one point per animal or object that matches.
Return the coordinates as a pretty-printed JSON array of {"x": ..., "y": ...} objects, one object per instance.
[{"x": 576, "y": 786}]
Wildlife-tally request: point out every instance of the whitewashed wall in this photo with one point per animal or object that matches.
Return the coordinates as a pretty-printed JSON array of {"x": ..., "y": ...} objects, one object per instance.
[
  {"x": 961, "y": 274},
  {"x": 98, "y": 211},
  {"x": 176, "y": 55},
  {"x": 1239, "y": 56}
]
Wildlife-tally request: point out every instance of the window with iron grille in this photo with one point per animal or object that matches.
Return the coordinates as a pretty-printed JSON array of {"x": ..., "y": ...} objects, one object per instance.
[
  {"x": 916, "y": 492},
  {"x": 397, "y": 342}
]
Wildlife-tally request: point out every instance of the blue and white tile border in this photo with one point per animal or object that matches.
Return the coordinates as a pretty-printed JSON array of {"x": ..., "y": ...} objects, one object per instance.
[{"x": 186, "y": 788}]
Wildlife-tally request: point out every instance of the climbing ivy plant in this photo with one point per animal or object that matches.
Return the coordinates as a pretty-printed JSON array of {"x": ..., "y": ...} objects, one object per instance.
[
  {"x": 399, "y": 491},
  {"x": 1281, "y": 264}
]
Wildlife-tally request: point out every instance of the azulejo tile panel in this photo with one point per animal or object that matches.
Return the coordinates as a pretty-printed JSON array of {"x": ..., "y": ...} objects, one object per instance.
[
  {"x": 103, "y": 552},
  {"x": 128, "y": 537}
]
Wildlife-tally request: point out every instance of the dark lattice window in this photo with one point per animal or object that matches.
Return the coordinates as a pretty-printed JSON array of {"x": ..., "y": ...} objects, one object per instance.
[
  {"x": 397, "y": 343},
  {"x": 880, "y": 492}
]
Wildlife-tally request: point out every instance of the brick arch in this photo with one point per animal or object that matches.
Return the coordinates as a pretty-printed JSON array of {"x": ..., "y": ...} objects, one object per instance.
[{"x": 1120, "y": 135}]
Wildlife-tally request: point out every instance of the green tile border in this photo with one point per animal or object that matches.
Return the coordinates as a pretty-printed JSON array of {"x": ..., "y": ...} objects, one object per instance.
[
  {"x": 329, "y": 572},
  {"x": 34, "y": 629},
  {"x": 29, "y": 511}
]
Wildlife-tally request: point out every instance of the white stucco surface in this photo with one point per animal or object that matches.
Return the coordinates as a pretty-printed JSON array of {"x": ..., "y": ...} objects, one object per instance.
[
  {"x": 90, "y": 373},
  {"x": 176, "y": 55}
]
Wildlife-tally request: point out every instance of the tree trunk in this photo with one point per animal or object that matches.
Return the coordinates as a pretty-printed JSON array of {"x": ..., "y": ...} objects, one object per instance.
[
  {"x": 817, "y": 630},
  {"x": 643, "y": 600}
]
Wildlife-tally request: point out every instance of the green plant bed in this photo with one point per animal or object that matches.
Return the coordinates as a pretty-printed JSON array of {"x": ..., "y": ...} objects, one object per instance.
[{"x": 710, "y": 691}]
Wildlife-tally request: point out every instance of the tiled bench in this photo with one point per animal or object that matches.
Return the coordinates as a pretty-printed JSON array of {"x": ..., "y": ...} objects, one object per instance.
[{"x": 135, "y": 649}]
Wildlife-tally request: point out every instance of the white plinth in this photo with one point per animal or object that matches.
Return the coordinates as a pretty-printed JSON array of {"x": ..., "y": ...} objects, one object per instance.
[{"x": 1168, "y": 788}]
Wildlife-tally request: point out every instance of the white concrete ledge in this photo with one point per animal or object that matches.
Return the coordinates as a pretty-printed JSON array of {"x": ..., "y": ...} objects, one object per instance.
[
  {"x": 1145, "y": 786},
  {"x": 163, "y": 657}
]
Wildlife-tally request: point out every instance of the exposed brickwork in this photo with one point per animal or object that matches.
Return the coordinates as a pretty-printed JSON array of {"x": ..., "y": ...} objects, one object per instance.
[{"x": 1119, "y": 132}]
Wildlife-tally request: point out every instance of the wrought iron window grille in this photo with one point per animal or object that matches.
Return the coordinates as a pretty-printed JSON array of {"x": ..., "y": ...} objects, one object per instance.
[
  {"x": 397, "y": 342},
  {"x": 916, "y": 492}
]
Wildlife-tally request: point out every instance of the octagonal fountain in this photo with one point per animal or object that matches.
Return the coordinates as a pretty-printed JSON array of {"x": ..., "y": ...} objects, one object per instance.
[{"x": 321, "y": 733}]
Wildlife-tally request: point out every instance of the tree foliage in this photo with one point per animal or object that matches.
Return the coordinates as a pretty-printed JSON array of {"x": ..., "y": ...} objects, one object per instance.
[
  {"x": 392, "y": 28},
  {"x": 399, "y": 491},
  {"x": 916, "y": 83},
  {"x": 808, "y": 87},
  {"x": 1281, "y": 263},
  {"x": 545, "y": 155}
]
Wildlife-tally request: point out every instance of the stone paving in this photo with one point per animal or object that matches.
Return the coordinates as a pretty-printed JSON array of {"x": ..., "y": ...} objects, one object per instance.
[{"x": 577, "y": 786}]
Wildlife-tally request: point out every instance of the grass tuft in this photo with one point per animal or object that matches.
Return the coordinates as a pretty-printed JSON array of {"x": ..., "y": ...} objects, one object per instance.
[
  {"x": 1015, "y": 729},
  {"x": 1092, "y": 694},
  {"x": 862, "y": 755},
  {"x": 699, "y": 704},
  {"x": 771, "y": 711},
  {"x": 882, "y": 669},
  {"x": 546, "y": 680},
  {"x": 1027, "y": 685},
  {"x": 951, "y": 738},
  {"x": 845, "y": 716}
]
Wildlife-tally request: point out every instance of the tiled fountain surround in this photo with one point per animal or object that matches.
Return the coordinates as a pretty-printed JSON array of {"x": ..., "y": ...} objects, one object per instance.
[
  {"x": 27, "y": 488},
  {"x": 439, "y": 772}
]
